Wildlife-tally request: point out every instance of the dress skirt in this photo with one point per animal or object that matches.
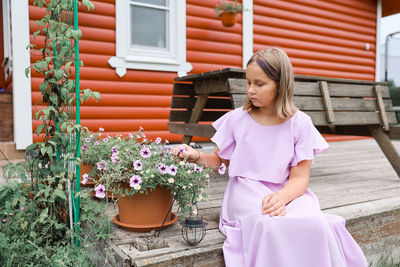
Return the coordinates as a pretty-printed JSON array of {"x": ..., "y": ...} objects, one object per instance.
[{"x": 304, "y": 237}]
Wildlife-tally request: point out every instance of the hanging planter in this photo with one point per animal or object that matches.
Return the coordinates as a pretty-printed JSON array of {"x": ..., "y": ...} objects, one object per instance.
[
  {"x": 145, "y": 212},
  {"x": 227, "y": 11},
  {"x": 228, "y": 19}
]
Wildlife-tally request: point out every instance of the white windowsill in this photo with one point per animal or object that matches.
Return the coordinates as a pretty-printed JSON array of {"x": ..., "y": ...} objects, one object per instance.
[{"x": 121, "y": 64}]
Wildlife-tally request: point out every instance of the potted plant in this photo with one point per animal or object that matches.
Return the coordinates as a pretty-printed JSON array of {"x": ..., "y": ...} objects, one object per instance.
[
  {"x": 227, "y": 11},
  {"x": 147, "y": 178}
]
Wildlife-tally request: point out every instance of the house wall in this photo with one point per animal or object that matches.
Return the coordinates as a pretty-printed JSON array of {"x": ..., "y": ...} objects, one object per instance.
[{"x": 322, "y": 38}]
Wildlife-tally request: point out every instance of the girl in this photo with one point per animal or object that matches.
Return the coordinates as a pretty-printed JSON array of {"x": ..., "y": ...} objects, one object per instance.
[{"x": 269, "y": 217}]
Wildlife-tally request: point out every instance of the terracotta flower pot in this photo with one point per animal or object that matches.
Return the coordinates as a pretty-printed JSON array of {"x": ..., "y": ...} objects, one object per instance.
[
  {"x": 228, "y": 19},
  {"x": 87, "y": 168},
  {"x": 145, "y": 212}
]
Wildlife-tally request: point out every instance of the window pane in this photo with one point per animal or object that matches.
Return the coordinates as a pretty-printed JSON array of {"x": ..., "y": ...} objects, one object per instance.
[
  {"x": 148, "y": 26},
  {"x": 153, "y": 2}
]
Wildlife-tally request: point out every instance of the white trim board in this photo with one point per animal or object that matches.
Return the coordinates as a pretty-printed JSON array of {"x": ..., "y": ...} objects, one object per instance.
[
  {"x": 22, "y": 96},
  {"x": 247, "y": 31}
]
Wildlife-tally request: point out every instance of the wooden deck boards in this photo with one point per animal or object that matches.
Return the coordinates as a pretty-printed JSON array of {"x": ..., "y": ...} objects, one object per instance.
[{"x": 352, "y": 179}]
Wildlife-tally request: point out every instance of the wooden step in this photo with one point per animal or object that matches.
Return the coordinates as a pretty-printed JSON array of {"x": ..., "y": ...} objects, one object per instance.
[{"x": 352, "y": 179}]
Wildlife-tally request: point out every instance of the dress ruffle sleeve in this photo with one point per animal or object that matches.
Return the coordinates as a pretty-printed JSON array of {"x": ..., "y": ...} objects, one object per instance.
[
  {"x": 223, "y": 137},
  {"x": 309, "y": 144}
]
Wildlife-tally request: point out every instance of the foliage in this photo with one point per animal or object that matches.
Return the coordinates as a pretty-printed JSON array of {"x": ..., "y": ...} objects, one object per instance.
[
  {"x": 34, "y": 226},
  {"x": 25, "y": 230},
  {"x": 233, "y": 7},
  {"x": 144, "y": 165}
]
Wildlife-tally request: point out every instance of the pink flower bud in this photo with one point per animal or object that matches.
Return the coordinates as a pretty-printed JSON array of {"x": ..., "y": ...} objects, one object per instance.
[{"x": 22, "y": 208}]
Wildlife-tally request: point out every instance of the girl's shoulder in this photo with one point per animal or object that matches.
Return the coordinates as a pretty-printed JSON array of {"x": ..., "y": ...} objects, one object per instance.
[{"x": 301, "y": 121}]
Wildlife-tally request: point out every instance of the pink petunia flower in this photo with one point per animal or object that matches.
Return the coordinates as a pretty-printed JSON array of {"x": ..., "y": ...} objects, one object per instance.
[
  {"x": 135, "y": 180},
  {"x": 222, "y": 169},
  {"x": 137, "y": 165},
  {"x": 158, "y": 140},
  {"x": 4, "y": 220},
  {"x": 96, "y": 143},
  {"x": 145, "y": 152},
  {"x": 84, "y": 146},
  {"x": 101, "y": 129},
  {"x": 22, "y": 208},
  {"x": 11, "y": 214},
  {"x": 114, "y": 150},
  {"x": 102, "y": 165},
  {"x": 172, "y": 170},
  {"x": 87, "y": 140},
  {"x": 182, "y": 150},
  {"x": 130, "y": 135},
  {"x": 105, "y": 140},
  {"x": 163, "y": 169},
  {"x": 85, "y": 178},
  {"x": 100, "y": 191},
  {"x": 197, "y": 168}
]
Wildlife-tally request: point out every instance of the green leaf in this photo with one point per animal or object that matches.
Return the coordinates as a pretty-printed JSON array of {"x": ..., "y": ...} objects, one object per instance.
[
  {"x": 27, "y": 71},
  {"x": 36, "y": 33},
  {"x": 60, "y": 193},
  {"x": 40, "y": 128},
  {"x": 68, "y": 64}
]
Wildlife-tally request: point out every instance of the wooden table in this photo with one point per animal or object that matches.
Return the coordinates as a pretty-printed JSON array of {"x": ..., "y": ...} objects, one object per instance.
[{"x": 339, "y": 106}]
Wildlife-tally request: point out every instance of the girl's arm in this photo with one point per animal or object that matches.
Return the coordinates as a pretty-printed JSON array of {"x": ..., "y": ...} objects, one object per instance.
[
  {"x": 212, "y": 160},
  {"x": 274, "y": 204}
]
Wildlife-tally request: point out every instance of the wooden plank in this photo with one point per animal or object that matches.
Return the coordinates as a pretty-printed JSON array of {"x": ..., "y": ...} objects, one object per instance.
[
  {"x": 315, "y": 103},
  {"x": 183, "y": 89},
  {"x": 338, "y": 90},
  {"x": 212, "y": 103},
  {"x": 381, "y": 108},
  {"x": 394, "y": 132},
  {"x": 183, "y": 115},
  {"x": 227, "y": 72},
  {"x": 387, "y": 147},
  {"x": 196, "y": 114},
  {"x": 238, "y": 100},
  {"x": 349, "y": 118},
  {"x": 327, "y": 101},
  {"x": 237, "y": 85},
  {"x": 211, "y": 86},
  {"x": 336, "y": 80},
  {"x": 191, "y": 129}
]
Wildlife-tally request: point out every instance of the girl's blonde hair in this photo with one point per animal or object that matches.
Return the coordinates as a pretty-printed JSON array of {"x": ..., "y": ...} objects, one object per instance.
[{"x": 276, "y": 64}]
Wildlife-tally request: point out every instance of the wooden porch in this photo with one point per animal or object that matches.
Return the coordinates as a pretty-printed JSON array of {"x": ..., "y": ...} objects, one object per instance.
[{"x": 353, "y": 179}]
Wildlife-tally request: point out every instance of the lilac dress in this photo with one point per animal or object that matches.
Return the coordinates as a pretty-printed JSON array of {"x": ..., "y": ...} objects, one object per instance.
[{"x": 260, "y": 159}]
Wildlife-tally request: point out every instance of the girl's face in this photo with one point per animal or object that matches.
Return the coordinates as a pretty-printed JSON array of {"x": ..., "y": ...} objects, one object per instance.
[{"x": 261, "y": 89}]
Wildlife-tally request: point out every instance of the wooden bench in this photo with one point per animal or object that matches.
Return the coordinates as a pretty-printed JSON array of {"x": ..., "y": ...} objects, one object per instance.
[{"x": 339, "y": 106}]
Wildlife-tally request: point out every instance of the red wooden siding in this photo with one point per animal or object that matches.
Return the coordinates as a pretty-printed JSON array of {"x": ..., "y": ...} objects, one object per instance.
[{"x": 322, "y": 38}]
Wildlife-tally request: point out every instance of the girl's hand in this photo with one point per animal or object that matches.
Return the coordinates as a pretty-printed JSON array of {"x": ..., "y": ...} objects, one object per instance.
[
  {"x": 184, "y": 150},
  {"x": 274, "y": 205}
]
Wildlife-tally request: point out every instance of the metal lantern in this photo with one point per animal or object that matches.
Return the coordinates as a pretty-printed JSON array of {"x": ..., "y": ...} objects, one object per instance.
[{"x": 193, "y": 230}]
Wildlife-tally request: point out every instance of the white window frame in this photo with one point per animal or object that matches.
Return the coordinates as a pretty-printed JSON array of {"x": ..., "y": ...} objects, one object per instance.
[{"x": 151, "y": 59}]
